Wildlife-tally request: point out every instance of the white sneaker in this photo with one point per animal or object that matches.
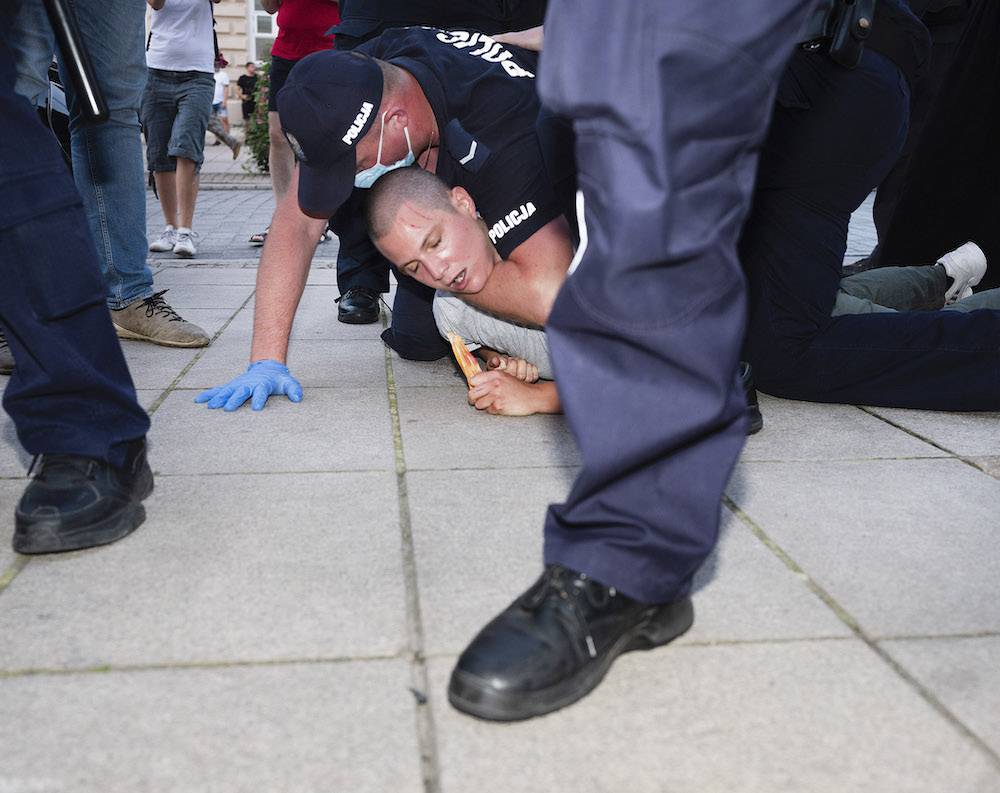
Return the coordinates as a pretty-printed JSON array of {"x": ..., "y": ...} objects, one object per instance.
[
  {"x": 966, "y": 266},
  {"x": 184, "y": 246},
  {"x": 165, "y": 242}
]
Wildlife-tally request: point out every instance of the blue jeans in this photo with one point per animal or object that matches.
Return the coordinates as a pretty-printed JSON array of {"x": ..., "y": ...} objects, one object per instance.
[{"x": 107, "y": 158}]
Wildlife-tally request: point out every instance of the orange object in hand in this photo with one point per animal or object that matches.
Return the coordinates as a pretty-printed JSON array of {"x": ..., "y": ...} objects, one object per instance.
[{"x": 468, "y": 364}]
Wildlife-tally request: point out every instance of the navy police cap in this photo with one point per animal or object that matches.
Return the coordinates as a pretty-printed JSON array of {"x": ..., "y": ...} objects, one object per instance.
[{"x": 328, "y": 103}]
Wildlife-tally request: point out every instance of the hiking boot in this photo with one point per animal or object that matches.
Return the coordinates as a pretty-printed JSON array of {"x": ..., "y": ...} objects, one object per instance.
[
  {"x": 184, "y": 246},
  {"x": 76, "y": 502},
  {"x": 165, "y": 242},
  {"x": 152, "y": 319},
  {"x": 6, "y": 356}
]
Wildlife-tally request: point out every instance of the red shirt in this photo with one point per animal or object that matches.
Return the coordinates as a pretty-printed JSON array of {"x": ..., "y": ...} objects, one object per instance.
[{"x": 302, "y": 26}]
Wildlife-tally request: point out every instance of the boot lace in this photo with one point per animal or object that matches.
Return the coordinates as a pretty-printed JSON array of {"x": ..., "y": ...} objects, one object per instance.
[{"x": 568, "y": 587}]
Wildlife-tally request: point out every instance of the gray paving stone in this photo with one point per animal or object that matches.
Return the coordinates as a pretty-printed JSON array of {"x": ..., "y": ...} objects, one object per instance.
[
  {"x": 309, "y": 729},
  {"x": 471, "y": 565},
  {"x": 14, "y": 460},
  {"x": 225, "y": 568},
  {"x": 437, "y": 433},
  {"x": 990, "y": 465},
  {"x": 208, "y": 276},
  {"x": 744, "y": 593},
  {"x": 152, "y": 366},
  {"x": 10, "y": 492},
  {"x": 316, "y": 318},
  {"x": 809, "y": 431},
  {"x": 861, "y": 236},
  {"x": 970, "y": 434},
  {"x": 332, "y": 429},
  {"x": 823, "y": 717},
  {"x": 478, "y": 544},
  {"x": 184, "y": 297},
  {"x": 352, "y": 363},
  {"x": 963, "y": 674},
  {"x": 906, "y": 546},
  {"x": 441, "y": 372}
]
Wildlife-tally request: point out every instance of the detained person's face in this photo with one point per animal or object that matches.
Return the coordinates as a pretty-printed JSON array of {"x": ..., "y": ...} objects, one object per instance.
[{"x": 442, "y": 249}]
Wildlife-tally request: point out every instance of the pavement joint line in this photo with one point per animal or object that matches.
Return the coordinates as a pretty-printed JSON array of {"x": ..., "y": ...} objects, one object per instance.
[
  {"x": 969, "y": 462},
  {"x": 15, "y": 567},
  {"x": 318, "y": 472},
  {"x": 20, "y": 562},
  {"x": 183, "y": 666},
  {"x": 198, "y": 356},
  {"x": 947, "y": 456},
  {"x": 873, "y": 644},
  {"x": 425, "y": 730},
  {"x": 709, "y": 643},
  {"x": 920, "y": 637}
]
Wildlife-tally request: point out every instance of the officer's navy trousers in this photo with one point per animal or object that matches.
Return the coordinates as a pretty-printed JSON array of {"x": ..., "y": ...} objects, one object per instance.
[
  {"x": 670, "y": 101},
  {"x": 834, "y": 136},
  {"x": 71, "y": 390}
]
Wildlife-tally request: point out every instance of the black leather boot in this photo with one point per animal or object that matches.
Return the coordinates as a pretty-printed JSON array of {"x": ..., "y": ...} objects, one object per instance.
[
  {"x": 555, "y": 643},
  {"x": 77, "y": 502},
  {"x": 753, "y": 408},
  {"x": 358, "y": 306}
]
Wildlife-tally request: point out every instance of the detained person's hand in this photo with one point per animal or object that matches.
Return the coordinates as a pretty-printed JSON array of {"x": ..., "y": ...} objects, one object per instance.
[
  {"x": 516, "y": 367},
  {"x": 502, "y": 394},
  {"x": 261, "y": 380}
]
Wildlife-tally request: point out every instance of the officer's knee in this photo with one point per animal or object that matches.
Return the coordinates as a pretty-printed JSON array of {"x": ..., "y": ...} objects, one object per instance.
[{"x": 415, "y": 347}]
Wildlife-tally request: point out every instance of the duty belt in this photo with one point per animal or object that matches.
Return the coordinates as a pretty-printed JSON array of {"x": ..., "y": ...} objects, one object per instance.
[{"x": 841, "y": 27}]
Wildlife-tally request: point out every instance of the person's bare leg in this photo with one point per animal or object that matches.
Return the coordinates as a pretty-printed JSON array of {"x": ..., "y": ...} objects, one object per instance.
[
  {"x": 282, "y": 160},
  {"x": 225, "y": 124},
  {"x": 166, "y": 189},
  {"x": 187, "y": 191}
]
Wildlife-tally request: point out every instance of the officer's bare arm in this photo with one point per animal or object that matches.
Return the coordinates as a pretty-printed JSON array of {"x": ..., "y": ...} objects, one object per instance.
[
  {"x": 530, "y": 39},
  {"x": 281, "y": 275},
  {"x": 524, "y": 286}
]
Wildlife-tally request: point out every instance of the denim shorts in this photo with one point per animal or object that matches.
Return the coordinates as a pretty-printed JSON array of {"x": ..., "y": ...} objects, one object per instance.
[{"x": 175, "y": 111}]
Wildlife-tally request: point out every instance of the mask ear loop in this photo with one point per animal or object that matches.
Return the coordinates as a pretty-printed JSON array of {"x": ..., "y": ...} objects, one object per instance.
[
  {"x": 381, "y": 134},
  {"x": 409, "y": 146}
]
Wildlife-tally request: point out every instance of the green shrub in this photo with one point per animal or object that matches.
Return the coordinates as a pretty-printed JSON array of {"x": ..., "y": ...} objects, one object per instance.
[{"x": 257, "y": 138}]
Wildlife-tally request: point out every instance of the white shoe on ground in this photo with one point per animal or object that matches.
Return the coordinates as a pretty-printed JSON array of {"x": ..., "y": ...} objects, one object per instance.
[
  {"x": 165, "y": 242},
  {"x": 966, "y": 266},
  {"x": 184, "y": 246}
]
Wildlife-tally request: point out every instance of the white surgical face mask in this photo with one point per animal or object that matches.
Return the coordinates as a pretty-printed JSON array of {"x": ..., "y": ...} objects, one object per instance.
[{"x": 369, "y": 176}]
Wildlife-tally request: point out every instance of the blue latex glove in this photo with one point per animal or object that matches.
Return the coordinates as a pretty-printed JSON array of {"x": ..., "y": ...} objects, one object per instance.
[{"x": 261, "y": 379}]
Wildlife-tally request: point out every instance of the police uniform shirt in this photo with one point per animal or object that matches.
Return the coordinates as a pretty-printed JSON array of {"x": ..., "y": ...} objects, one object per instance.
[{"x": 485, "y": 104}]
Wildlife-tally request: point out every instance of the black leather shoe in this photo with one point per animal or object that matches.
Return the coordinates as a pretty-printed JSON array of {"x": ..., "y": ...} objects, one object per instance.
[
  {"x": 358, "y": 306},
  {"x": 753, "y": 408},
  {"x": 77, "y": 502},
  {"x": 554, "y": 644}
]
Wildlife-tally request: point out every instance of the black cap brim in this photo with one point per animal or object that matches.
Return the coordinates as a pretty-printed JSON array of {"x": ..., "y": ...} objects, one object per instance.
[{"x": 323, "y": 190}]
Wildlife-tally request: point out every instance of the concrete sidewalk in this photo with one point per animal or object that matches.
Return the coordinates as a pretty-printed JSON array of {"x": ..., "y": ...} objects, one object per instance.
[{"x": 287, "y": 617}]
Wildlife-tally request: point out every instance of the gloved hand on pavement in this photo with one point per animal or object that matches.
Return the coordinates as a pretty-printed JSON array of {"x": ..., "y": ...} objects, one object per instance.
[{"x": 261, "y": 379}]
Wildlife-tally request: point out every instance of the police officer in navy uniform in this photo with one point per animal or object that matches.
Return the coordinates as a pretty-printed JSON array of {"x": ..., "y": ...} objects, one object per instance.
[
  {"x": 463, "y": 106},
  {"x": 71, "y": 397},
  {"x": 670, "y": 103},
  {"x": 651, "y": 318},
  {"x": 361, "y": 278}
]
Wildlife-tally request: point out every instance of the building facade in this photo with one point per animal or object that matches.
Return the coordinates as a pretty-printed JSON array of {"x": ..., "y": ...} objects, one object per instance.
[{"x": 245, "y": 32}]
